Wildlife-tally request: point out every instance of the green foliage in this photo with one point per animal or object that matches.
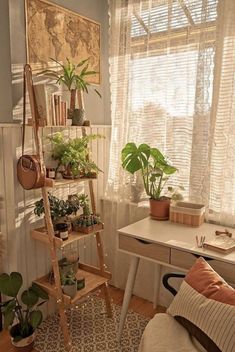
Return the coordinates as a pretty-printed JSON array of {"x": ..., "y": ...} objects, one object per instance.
[
  {"x": 69, "y": 75},
  {"x": 10, "y": 284},
  {"x": 83, "y": 200},
  {"x": 59, "y": 207},
  {"x": 23, "y": 310},
  {"x": 69, "y": 278},
  {"x": 152, "y": 164},
  {"x": 73, "y": 153}
]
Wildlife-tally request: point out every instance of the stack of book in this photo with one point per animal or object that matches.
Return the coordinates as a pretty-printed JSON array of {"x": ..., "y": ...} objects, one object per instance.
[{"x": 51, "y": 106}]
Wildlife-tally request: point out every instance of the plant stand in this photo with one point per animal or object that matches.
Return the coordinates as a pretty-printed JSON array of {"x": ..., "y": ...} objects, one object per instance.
[{"x": 94, "y": 277}]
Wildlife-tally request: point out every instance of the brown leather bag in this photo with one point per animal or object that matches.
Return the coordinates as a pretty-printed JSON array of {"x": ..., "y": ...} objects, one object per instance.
[{"x": 30, "y": 172}]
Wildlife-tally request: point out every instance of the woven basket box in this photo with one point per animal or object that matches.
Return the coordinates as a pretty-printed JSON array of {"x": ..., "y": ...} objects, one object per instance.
[{"x": 186, "y": 213}]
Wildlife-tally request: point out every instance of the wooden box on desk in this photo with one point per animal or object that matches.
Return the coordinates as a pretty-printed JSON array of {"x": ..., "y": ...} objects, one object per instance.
[{"x": 191, "y": 214}]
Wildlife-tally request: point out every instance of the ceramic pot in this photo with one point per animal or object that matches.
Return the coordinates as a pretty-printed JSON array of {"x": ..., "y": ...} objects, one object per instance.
[
  {"x": 78, "y": 117},
  {"x": 24, "y": 345},
  {"x": 70, "y": 290},
  {"x": 160, "y": 209}
]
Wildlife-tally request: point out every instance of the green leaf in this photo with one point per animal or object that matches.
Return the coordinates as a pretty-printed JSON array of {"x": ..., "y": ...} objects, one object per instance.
[
  {"x": 133, "y": 158},
  {"x": 39, "y": 291},
  {"x": 17, "y": 338},
  {"x": 10, "y": 284},
  {"x": 36, "y": 318},
  {"x": 157, "y": 155},
  {"x": 98, "y": 93},
  {"x": 8, "y": 319},
  {"x": 8, "y": 306},
  {"x": 169, "y": 170},
  {"x": 29, "y": 298},
  {"x": 82, "y": 63}
]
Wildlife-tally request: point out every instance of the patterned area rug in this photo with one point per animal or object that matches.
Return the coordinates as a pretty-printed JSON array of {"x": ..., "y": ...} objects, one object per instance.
[{"x": 91, "y": 330}]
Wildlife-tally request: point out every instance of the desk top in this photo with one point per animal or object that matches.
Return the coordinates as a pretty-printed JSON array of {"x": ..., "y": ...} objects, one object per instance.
[{"x": 177, "y": 236}]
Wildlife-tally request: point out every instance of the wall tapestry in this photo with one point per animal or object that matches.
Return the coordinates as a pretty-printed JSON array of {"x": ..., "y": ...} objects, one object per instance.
[{"x": 55, "y": 32}]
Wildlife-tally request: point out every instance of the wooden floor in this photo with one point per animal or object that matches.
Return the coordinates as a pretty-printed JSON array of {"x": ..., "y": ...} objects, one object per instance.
[{"x": 139, "y": 305}]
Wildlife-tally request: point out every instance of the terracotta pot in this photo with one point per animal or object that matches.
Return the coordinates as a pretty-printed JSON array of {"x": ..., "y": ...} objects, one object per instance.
[
  {"x": 159, "y": 209},
  {"x": 24, "y": 345}
]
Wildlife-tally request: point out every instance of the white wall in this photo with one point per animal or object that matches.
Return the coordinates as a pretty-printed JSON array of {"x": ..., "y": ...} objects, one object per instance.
[{"x": 98, "y": 110}]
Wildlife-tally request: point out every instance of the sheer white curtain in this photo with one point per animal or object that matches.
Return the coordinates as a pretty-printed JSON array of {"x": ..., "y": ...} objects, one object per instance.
[
  {"x": 162, "y": 55},
  {"x": 222, "y": 155}
]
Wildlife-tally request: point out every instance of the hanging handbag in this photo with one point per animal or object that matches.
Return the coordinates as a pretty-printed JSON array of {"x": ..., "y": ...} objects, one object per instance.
[{"x": 30, "y": 172}]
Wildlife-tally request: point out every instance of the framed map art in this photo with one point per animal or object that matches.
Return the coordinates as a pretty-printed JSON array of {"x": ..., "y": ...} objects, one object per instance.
[{"x": 55, "y": 32}]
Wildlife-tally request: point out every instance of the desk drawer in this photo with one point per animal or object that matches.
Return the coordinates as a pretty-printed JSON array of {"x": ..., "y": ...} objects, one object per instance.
[
  {"x": 185, "y": 260},
  {"x": 144, "y": 248}
]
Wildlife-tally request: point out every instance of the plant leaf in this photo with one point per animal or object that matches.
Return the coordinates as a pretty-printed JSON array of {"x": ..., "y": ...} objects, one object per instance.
[
  {"x": 29, "y": 298},
  {"x": 39, "y": 291},
  {"x": 36, "y": 318},
  {"x": 8, "y": 306},
  {"x": 10, "y": 284},
  {"x": 8, "y": 319},
  {"x": 133, "y": 158}
]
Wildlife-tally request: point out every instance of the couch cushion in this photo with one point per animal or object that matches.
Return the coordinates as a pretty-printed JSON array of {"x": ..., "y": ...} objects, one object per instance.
[
  {"x": 205, "y": 306},
  {"x": 164, "y": 334}
]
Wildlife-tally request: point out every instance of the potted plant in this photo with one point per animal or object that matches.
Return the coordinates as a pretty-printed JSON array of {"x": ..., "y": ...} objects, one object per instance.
[
  {"x": 74, "y": 78},
  {"x": 87, "y": 222},
  {"x": 60, "y": 209},
  {"x": 155, "y": 170},
  {"x": 73, "y": 154},
  {"x": 21, "y": 311},
  {"x": 69, "y": 283},
  {"x": 66, "y": 265}
]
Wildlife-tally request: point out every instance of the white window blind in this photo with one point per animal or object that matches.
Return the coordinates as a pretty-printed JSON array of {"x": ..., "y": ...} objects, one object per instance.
[{"x": 162, "y": 62}]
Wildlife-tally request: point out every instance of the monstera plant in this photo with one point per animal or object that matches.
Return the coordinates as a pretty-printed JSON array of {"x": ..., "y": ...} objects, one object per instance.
[
  {"x": 155, "y": 170},
  {"x": 21, "y": 311}
]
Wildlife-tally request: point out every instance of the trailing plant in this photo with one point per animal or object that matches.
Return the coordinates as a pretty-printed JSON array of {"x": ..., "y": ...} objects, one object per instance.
[
  {"x": 21, "y": 307},
  {"x": 73, "y": 153},
  {"x": 73, "y": 76},
  {"x": 59, "y": 208},
  {"x": 153, "y": 165}
]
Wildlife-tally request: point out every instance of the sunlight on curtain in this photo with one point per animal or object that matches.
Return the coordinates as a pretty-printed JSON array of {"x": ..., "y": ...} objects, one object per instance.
[
  {"x": 162, "y": 61},
  {"x": 161, "y": 66},
  {"x": 222, "y": 165}
]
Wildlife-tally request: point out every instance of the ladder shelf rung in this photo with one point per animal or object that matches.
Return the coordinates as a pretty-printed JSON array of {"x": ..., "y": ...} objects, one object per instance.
[
  {"x": 65, "y": 182},
  {"x": 92, "y": 282},
  {"x": 41, "y": 235}
]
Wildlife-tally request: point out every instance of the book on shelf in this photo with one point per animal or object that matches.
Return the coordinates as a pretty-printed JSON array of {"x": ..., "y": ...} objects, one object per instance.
[{"x": 50, "y": 104}]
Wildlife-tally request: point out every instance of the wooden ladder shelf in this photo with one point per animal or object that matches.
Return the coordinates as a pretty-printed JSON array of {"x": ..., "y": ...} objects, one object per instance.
[{"x": 94, "y": 277}]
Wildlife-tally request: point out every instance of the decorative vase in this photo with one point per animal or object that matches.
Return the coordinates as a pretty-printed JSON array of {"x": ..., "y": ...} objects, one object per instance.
[
  {"x": 70, "y": 290},
  {"x": 24, "y": 345},
  {"x": 78, "y": 117},
  {"x": 159, "y": 209}
]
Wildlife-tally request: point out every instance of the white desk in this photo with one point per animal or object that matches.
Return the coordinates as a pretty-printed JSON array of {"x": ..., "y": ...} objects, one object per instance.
[{"x": 171, "y": 245}]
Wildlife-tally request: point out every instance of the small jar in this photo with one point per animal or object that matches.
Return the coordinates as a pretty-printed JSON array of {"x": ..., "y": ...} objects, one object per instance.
[
  {"x": 51, "y": 172},
  {"x": 63, "y": 231}
]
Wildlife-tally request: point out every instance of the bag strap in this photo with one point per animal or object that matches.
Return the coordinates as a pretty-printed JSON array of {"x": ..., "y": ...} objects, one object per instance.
[{"x": 24, "y": 111}]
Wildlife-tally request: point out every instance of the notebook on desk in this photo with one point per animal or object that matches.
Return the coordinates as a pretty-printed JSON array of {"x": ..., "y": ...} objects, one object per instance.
[{"x": 222, "y": 244}]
